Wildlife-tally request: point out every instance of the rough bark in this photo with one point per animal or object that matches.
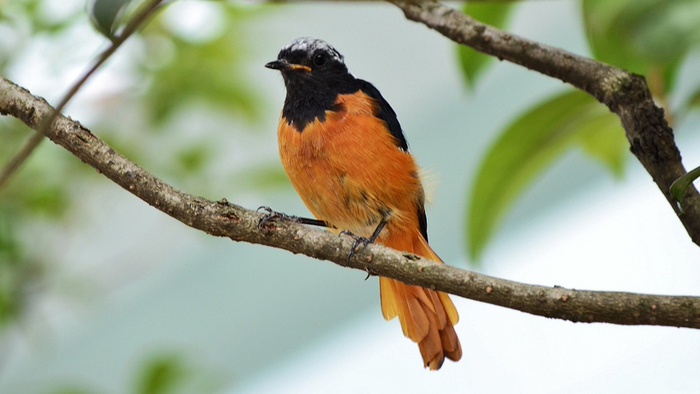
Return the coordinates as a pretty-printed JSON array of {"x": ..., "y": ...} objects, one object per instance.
[
  {"x": 229, "y": 220},
  {"x": 625, "y": 93}
]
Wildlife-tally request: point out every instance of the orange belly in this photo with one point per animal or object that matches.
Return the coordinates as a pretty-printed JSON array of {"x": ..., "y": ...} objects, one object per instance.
[{"x": 349, "y": 171}]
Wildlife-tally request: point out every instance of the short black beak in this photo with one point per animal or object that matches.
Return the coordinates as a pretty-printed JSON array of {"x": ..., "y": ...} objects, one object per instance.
[
  {"x": 278, "y": 65},
  {"x": 282, "y": 64}
]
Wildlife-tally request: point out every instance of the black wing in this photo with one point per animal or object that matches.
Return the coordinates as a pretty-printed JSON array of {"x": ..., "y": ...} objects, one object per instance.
[
  {"x": 423, "y": 221},
  {"x": 385, "y": 113}
]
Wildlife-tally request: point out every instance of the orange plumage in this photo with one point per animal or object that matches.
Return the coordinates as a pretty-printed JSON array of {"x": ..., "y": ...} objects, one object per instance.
[{"x": 353, "y": 173}]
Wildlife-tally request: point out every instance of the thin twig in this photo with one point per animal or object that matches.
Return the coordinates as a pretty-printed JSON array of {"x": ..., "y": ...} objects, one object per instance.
[{"x": 18, "y": 159}]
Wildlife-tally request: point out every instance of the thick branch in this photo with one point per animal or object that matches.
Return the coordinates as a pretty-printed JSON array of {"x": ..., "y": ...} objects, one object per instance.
[
  {"x": 229, "y": 220},
  {"x": 625, "y": 93}
]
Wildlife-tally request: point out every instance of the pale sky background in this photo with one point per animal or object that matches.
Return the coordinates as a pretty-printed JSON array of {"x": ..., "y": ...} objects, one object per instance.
[{"x": 266, "y": 321}]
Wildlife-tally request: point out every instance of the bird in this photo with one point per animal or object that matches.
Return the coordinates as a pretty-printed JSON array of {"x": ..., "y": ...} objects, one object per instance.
[{"x": 344, "y": 151}]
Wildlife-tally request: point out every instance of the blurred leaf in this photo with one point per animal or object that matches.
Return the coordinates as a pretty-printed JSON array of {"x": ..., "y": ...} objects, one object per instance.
[
  {"x": 48, "y": 199},
  {"x": 13, "y": 271},
  {"x": 104, "y": 13},
  {"x": 72, "y": 389},
  {"x": 210, "y": 71},
  {"x": 528, "y": 145},
  {"x": 25, "y": 21},
  {"x": 8, "y": 251},
  {"x": 669, "y": 30},
  {"x": 42, "y": 185},
  {"x": 681, "y": 184},
  {"x": 14, "y": 134},
  {"x": 640, "y": 35},
  {"x": 33, "y": 12},
  {"x": 603, "y": 138},
  {"x": 262, "y": 176},
  {"x": 694, "y": 99},
  {"x": 162, "y": 375},
  {"x": 194, "y": 157},
  {"x": 471, "y": 61}
]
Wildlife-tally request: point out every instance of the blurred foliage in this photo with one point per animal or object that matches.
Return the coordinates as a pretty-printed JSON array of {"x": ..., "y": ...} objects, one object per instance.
[
  {"x": 649, "y": 37},
  {"x": 105, "y": 15},
  {"x": 262, "y": 176},
  {"x": 162, "y": 375},
  {"x": 192, "y": 158},
  {"x": 39, "y": 192},
  {"x": 10, "y": 269},
  {"x": 471, "y": 61},
  {"x": 187, "y": 82},
  {"x": 19, "y": 274},
  {"x": 177, "y": 72},
  {"x": 23, "y": 21},
  {"x": 529, "y": 145},
  {"x": 34, "y": 15},
  {"x": 209, "y": 70},
  {"x": 163, "y": 372},
  {"x": 182, "y": 73}
]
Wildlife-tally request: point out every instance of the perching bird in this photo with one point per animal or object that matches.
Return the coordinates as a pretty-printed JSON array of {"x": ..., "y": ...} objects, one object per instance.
[{"x": 343, "y": 149}]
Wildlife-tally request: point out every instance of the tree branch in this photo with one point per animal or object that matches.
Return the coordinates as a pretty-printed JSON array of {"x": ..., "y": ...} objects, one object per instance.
[
  {"x": 38, "y": 136},
  {"x": 230, "y": 220},
  {"x": 626, "y": 94}
]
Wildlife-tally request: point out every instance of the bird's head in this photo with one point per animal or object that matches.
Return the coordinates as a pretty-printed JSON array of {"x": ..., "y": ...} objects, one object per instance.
[{"x": 309, "y": 58}]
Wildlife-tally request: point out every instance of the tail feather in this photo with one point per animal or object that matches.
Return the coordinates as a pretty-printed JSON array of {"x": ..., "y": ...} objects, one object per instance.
[
  {"x": 450, "y": 343},
  {"x": 426, "y": 316},
  {"x": 415, "y": 317},
  {"x": 389, "y": 299},
  {"x": 435, "y": 306},
  {"x": 430, "y": 346},
  {"x": 449, "y": 307}
]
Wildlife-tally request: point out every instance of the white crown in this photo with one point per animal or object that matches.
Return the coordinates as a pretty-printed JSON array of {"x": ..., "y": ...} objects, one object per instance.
[{"x": 310, "y": 45}]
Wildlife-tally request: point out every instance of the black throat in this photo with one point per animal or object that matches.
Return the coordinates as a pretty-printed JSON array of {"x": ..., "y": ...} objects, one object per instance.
[{"x": 308, "y": 98}]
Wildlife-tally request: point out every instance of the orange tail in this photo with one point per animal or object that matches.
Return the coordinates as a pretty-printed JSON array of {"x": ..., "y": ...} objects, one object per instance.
[{"x": 427, "y": 316}]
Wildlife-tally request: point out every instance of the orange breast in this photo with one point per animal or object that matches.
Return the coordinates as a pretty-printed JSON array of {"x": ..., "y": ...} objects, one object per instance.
[{"x": 349, "y": 171}]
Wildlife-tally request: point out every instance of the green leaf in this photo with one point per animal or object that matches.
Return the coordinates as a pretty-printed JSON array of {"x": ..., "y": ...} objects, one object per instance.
[
  {"x": 15, "y": 270},
  {"x": 211, "y": 71},
  {"x": 194, "y": 157},
  {"x": 162, "y": 374},
  {"x": 693, "y": 100},
  {"x": 643, "y": 36},
  {"x": 471, "y": 61},
  {"x": 528, "y": 145},
  {"x": 602, "y": 137},
  {"x": 49, "y": 199},
  {"x": 680, "y": 185},
  {"x": 262, "y": 176},
  {"x": 32, "y": 15},
  {"x": 104, "y": 14}
]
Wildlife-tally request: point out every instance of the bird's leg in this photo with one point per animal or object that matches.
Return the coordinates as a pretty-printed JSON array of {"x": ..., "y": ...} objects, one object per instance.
[
  {"x": 272, "y": 214},
  {"x": 357, "y": 240}
]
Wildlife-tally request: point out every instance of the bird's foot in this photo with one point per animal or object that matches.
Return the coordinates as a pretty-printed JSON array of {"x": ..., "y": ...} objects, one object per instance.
[
  {"x": 357, "y": 241},
  {"x": 272, "y": 214}
]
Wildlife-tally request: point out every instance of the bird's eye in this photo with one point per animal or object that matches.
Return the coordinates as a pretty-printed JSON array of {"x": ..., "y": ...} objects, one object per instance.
[{"x": 320, "y": 59}]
